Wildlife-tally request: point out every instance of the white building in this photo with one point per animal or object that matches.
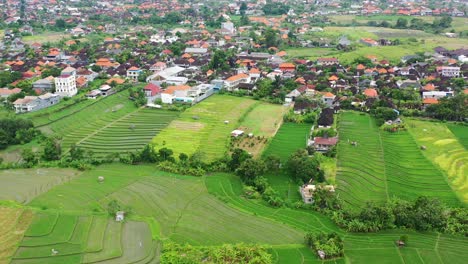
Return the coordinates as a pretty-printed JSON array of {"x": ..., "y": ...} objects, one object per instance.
[
  {"x": 233, "y": 82},
  {"x": 307, "y": 191},
  {"x": 133, "y": 73},
  {"x": 228, "y": 28},
  {"x": 65, "y": 84},
  {"x": 119, "y": 216},
  {"x": 186, "y": 94},
  {"x": 437, "y": 94},
  {"x": 34, "y": 103},
  {"x": 449, "y": 71}
]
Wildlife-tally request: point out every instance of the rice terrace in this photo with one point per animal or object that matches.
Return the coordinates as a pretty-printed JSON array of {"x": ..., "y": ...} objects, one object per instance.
[{"x": 233, "y": 132}]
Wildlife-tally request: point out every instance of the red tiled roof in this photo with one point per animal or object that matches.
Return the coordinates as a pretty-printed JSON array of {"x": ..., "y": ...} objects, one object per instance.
[
  {"x": 153, "y": 88},
  {"x": 326, "y": 141}
]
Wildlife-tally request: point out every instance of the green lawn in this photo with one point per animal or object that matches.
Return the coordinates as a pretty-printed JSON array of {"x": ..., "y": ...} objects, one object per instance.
[
  {"x": 202, "y": 127},
  {"x": 444, "y": 149},
  {"x": 22, "y": 185},
  {"x": 289, "y": 138},
  {"x": 46, "y": 37}
]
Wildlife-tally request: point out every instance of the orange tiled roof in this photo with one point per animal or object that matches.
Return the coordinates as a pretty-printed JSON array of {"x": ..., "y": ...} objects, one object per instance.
[
  {"x": 172, "y": 89},
  {"x": 430, "y": 101},
  {"x": 370, "y": 92},
  {"x": 287, "y": 65},
  {"x": 116, "y": 80},
  {"x": 237, "y": 77}
]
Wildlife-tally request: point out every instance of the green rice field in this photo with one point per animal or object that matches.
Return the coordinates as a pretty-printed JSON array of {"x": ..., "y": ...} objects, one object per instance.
[
  {"x": 460, "y": 132},
  {"x": 444, "y": 149},
  {"x": 22, "y": 185},
  {"x": 13, "y": 224},
  {"x": 68, "y": 238},
  {"x": 394, "y": 165},
  {"x": 289, "y": 138},
  {"x": 129, "y": 133},
  {"x": 180, "y": 204},
  {"x": 109, "y": 125},
  {"x": 202, "y": 127}
]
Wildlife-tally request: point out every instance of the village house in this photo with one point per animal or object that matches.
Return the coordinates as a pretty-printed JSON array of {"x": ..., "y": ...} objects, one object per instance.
[
  {"x": 93, "y": 94},
  {"x": 158, "y": 66},
  {"x": 429, "y": 101},
  {"x": 152, "y": 90},
  {"x": 327, "y": 61},
  {"x": 307, "y": 191},
  {"x": 34, "y": 103},
  {"x": 106, "y": 90},
  {"x": 328, "y": 98},
  {"x": 370, "y": 93},
  {"x": 186, "y": 94},
  {"x": 133, "y": 73},
  {"x": 437, "y": 94},
  {"x": 65, "y": 84},
  {"x": 233, "y": 82},
  {"x": 168, "y": 73},
  {"x": 287, "y": 67},
  {"x": 5, "y": 92},
  {"x": 369, "y": 42},
  {"x": 119, "y": 216},
  {"x": 169, "y": 94},
  {"x": 324, "y": 144},
  {"x": 449, "y": 71},
  {"x": 46, "y": 84}
]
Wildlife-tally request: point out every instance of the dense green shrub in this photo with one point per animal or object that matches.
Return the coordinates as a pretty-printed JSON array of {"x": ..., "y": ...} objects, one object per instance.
[{"x": 331, "y": 244}]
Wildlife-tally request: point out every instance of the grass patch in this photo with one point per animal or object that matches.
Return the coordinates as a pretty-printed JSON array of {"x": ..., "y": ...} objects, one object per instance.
[{"x": 46, "y": 37}]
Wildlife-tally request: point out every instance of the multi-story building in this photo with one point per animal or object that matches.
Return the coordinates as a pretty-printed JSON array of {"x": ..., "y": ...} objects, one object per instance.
[
  {"x": 233, "y": 82},
  {"x": 133, "y": 73},
  {"x": 65, "y": 84},
  {"x": 449, "y": 71},
  {"x": 34, "y": 103}
]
